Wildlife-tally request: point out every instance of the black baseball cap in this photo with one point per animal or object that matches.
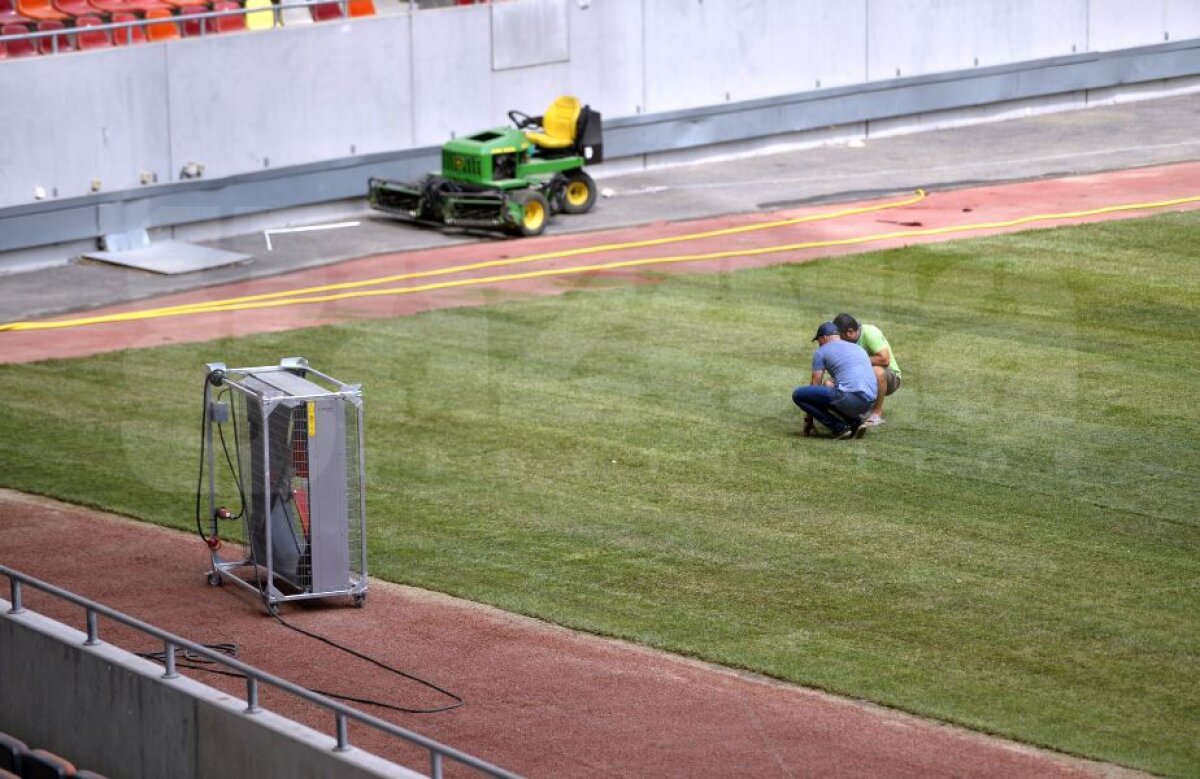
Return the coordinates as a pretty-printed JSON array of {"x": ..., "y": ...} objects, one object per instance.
[{"x": 826, "y": 328}]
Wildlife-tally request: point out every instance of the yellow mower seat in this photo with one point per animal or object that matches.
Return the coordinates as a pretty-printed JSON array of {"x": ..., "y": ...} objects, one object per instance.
[{"x": 559, "y": 123}]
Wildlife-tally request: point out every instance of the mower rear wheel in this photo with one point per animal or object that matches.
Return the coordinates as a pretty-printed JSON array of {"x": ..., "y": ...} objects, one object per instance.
[
  {"x": 579, "y": 194},
  {"x": 535, "y": 211}
]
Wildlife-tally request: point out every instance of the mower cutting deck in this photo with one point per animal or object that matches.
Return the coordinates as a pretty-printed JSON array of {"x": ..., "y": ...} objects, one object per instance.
[{"x": 507, "y": 178}]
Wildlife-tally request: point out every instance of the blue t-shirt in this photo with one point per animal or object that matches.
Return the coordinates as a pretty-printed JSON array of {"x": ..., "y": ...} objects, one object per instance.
[{"x": 850, "y": 367}]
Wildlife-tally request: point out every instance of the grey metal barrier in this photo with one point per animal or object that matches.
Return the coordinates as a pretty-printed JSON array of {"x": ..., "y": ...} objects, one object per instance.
[{"x": 438, "y": 752}]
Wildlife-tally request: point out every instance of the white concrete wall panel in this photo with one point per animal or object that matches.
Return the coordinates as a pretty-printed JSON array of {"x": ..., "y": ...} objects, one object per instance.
[
  {"x": 1181, "y": 19},
  {"x": 919, "y": 37},
  {"x": 73, "y": 119},
  {"x": 1007, "y": 31},
  {"x": 458, "y": 89},
  {"x": 606, "y": 56},
  {"x": 786, "y": 46},
  {"x": 452, "y": 73},
  {"x": 243, "y": 103},
  {"x": 704, "y": 52},
  {"x": 916, "y": 37},
  {"x": 689, "y": 52},
  {"x": 532, "y": 32},
  {"x": 1123, "y": 24}
]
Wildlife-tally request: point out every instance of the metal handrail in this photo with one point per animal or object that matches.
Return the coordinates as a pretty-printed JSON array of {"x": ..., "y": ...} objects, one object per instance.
[
  {"x": 342, "y": 713},
  {"x": 276, "y": 10}
]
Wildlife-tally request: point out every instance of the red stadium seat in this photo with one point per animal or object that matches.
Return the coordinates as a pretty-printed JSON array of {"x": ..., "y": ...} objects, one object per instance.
[
  {"x": 39, "y": 9},
  {"x": 127, "y": 35},
  {"x": 233, "y": 23},
  {"x": 91, "y": 39},
  {"x": 323, "y": 12},
  {"x": 192, "y": 27},
  {"x": 9, "y": 13},
  {"x": 58, "y": 43},
  {"x": 18, "y": 48}
]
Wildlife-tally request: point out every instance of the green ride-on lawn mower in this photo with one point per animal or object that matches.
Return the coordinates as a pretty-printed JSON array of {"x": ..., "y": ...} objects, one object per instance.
[{"x": 506, "y": 178}]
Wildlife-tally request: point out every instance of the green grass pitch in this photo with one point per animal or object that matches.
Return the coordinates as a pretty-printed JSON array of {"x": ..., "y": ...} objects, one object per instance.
[{"x": 1017, "y": 549}]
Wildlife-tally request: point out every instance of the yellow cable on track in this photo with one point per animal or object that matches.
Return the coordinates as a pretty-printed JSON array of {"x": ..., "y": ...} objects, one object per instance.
[
  {"x": 917, "y": 197},
  {"x": 257, "y": 302},
  {"x": 207, "y": 306}
]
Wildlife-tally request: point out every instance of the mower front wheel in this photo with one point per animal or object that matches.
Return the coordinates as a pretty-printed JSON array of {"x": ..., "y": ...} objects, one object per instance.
[
  {"x": 535, "y": 212},
  {"x": 579, "y": 193}
]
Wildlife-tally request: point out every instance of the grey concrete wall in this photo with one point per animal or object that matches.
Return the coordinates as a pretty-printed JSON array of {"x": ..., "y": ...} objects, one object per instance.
[
  {"x": 127, "y": 120},
  {"x": 244, "y": 103},
  {"x": 111, "y": 712}
]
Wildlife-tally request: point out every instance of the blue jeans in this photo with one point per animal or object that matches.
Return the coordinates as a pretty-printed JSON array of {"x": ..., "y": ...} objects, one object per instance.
[{"x": 831, "y": 407}]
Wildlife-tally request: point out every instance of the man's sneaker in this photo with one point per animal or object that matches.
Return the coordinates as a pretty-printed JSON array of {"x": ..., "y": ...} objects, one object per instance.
[
  {"x": 860, "y": 431},
  {"x": 844, "y": 433},
  {"x": 873, "y": 420}
]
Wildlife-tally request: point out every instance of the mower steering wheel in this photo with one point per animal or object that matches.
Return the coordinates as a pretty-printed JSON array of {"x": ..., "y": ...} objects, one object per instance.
[{"x": 522, "y": 120}]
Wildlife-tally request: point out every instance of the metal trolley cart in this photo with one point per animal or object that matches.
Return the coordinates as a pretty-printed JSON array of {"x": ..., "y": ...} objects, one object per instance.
[{"x": 297, "y": 471}]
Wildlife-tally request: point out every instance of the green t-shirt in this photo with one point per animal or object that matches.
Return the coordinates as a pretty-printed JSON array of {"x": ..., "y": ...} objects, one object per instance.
[{"x": 871, "y": 338}]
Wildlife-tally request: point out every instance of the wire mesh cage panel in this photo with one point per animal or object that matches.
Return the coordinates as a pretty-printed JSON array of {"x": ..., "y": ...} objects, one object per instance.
[{"x": 298, "y": 471}]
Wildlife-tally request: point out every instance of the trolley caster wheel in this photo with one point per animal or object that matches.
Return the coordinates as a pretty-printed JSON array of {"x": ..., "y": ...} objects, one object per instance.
[
  {"x": 273, "y": 609},
  {"x": 214, "y": 579},
  {"x": 360, "y": 600}
]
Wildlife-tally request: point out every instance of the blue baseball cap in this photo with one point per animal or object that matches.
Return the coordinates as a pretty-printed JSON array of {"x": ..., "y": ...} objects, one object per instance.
[{"x": 826, "y": 328}]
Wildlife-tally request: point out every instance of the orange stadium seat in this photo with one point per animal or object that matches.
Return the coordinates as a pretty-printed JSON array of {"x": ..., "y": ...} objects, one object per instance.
[
  {"x": 19, "y": 48},
  {"x": 127, "y": 35},
  {"x": 57, "y": 43},
  {"x": 91, "y": 39},
  {"x": 127, "y": 6},
  {"x": 39, "y": 9},
  {"x": 74, "y": 8},
  {"x": 362, "y": 7},
  {"x": 161, "y": 31}
]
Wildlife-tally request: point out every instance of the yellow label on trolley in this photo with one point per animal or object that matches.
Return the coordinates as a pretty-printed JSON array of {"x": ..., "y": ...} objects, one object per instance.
[{"x": 312, "y": 418}]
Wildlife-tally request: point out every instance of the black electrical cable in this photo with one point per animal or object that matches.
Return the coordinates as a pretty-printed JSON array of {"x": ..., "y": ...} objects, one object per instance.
[
  {"x": 200, "y": 477},
  {"x": 458, "y": 700},
  {"x": 196, "y": 662},
  {"x": 234, "y": 470}
]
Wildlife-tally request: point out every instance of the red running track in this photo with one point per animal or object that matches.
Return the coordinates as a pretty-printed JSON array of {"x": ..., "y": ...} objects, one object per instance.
[{"x": 541, "y": 701}]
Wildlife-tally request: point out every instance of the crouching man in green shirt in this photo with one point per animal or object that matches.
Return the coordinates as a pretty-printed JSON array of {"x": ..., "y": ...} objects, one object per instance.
[{"x": 883, "y": 360}]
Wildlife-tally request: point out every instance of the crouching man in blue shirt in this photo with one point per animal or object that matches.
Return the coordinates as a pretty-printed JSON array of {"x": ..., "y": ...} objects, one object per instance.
[{"x": 842, "y": 407}]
